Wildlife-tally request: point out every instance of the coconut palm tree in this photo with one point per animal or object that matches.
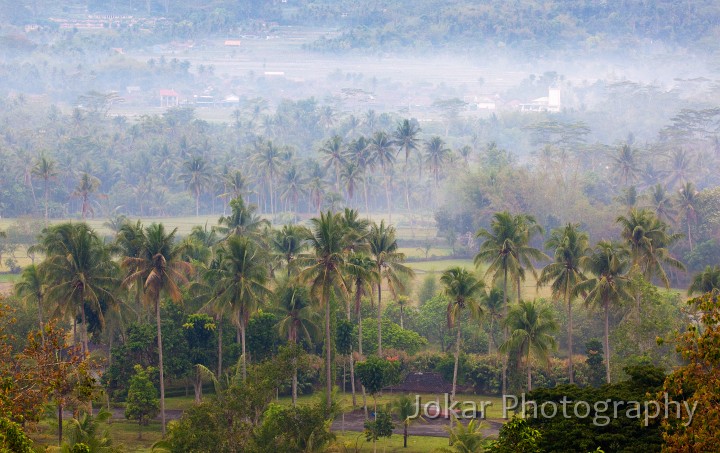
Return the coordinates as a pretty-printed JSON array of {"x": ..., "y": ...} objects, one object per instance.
[
  {"x": 334, "y": 152},
  {"x": 625, "y": 164},
  {"x": 293, "y": 185},
  {"x": 648, "y": 239},
  {"x": 324, "y": 271},
  {"x": 706, "y": 281},
  {"x": 388, "y": 263},
  {"x": 406, "y": 137},
  {"x": 609, "y": 264},
  {"x": 564, "y": 273},
  {"x": 86, "y": 187},
  {"x": 359, "y": 153},
  {"x": 242, "y": 220},
  {"x": 298, "y": 320},
  {"x": 289, "y": 243},
  {"x": 687, "y": 203},
  {"x": 383, "y": 154},
  {"x": 465, "y": 292},
  {"x": 240, "y": 280},
  {"x": 197, "y": 177},
  {"x": 660, "y": 202},
  {"x": 357, "y": 230},
  {"x": 405, "y": 408},
  {"x": 45, "y": 169},
  {"x": 493, "y": 308},
  {"x": 78, "y": 271},
  {"x": 436, "y": 155},
  {"x": 159, "y": 268},
  {"x": 362, "y": 273},
  {"x": 531, "y": 326},
  {"x": 267, "y": 159},
  {"x": 31, "y": 288}
]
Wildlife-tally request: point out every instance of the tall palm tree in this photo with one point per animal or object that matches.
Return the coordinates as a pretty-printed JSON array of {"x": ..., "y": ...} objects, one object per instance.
[
  {"x": 79, "y": 272},
  {"x": 298, "y": 320},
  {"x": 293, "y": 186},
  {"x": 359, "y": 153},
  {"x": 610, "y": 285},
  {"x": 357, "y": 230},
  {"x": 625, "y": 164},
  {"x": 31, "y": 288},
  {"x": 493, "y": 307},
  {"x": 87, "y": 185},
  {"x": 531, "y": 326},
  {"x": 159, "y": 268},
  {"x": 464, "y": 292},
  {"x": 334, "y": 151},
  {"x": 289, "y": 243},
  {"x": 45, "y": 169},
  {"x": 648, "y": 239},
  {"x": 268, "y": 161},
  {"x": 706, "y": 281},
  {"x": 505, "y": 247},
  {"x": 436, "y": 155},
  {"x": 240, "y": 280},
  {"x": 197, "y": 177},
  {"x": 388, "y": 263},
  {"x": 687, "y": 203},
  {"x": 570, "y": 245},
  {"x": 324, "y": 272},
  {"x": 406, "y": 139},
  {"x": 660, "y": 202},
  {"x": 242, "y": 220},
  {"x": 383, "y": 152}
]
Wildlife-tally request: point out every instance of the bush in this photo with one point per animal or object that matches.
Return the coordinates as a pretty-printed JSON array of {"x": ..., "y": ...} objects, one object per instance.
[
  {"x": 485, "y": 375},
  {"x": 393, "y": 337}
]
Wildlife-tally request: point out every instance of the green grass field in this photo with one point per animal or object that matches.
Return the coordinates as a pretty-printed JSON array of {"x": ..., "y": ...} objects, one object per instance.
[{"x": 354, "y": 441}]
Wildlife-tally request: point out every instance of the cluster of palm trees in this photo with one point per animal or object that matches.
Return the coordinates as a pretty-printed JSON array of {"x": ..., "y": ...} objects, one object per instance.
[
  {"x": 603, "y": 275},
  {"x": 230, "y": 271}
]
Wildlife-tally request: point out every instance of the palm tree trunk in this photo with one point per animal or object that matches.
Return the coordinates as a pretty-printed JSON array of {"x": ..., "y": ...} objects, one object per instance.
[
  {"x": 607, "y": 341},
  {"x": 519, "y": 296},
  {"x": 40, "y": 320},
  {"x": 690, "y": 235},
  {"x": 328, "y": 364},
  {"x": 220, "y": 347},
  {"x": 294, "y": 382},
  {"x": 379, "y": 317},
  {"x": 86, "y": 349},
  {"x": 46, "y": 202},
  {"x": 60, "y": 423},
  {"x": 568, "y": 301},
  {"x": 387, "y": 199},
  {"x": 242, "y": 347},
  {"x": 367, "y": 206},
  {"x": 529, "y": 370},
  {"x": 457, "y": 359},
  {"x": 160, "y": 364},
  {"x": 405, "y": 434},
  {"x": 505, "y": 332},
  {"x": 197, "y": 201},
  {"x": 352, "y": 366}
]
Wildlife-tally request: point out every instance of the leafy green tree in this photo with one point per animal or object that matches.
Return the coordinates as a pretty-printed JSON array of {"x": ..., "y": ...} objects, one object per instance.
[
  {"x": 595, "y": 362},
  {"x": 380, "y": 426},
  {"x": 516, "y": 436},
  {"x": 531, "y": 326},
  {"x": 570, "y": 245},
  {"x": 388, "y": 263},
  {"x": 200, "y": 330},
  {"x": 464, "y": 291},
  {"x": 160, "y": 269},
  {"x": 13, "y": 439},
  {"x": 609, "y": 286},
  {"x": 142, "y": 400}
]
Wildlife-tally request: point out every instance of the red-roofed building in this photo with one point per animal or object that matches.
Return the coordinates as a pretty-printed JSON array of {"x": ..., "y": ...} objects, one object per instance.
[{"x": 169, "y": 98}]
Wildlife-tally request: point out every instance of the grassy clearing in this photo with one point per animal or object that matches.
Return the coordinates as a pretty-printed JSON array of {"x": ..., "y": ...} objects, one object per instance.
[{"x": 349, "y": 441}]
